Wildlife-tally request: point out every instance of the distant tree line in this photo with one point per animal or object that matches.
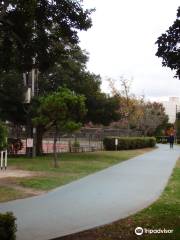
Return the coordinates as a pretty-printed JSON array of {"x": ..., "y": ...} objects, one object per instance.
[{"x": 137, "y": 113}]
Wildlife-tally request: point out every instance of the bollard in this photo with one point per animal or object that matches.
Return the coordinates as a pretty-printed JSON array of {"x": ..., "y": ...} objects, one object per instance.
[
  {"x": 1, "y": 160},
  {"x": 4, "y": 160}
]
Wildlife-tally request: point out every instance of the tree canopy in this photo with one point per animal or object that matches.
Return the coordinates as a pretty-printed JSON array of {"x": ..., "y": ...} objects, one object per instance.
[
  {"x": 34, "y": 33},
  {"x": 62, "y": 109},
  {"x": 169, "y": 46},
  {"x": 3, "y": 136},
  {"x": 71, "y": 72},
  {"x": 12, "y": 97},
  {"x": 153, "y": 117}
]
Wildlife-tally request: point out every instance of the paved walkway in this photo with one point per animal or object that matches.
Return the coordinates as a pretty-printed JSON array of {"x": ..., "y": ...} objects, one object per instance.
[{"x": 97, "y": 199}]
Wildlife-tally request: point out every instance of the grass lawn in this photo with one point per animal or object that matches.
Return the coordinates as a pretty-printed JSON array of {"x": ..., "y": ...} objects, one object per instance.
[
  {"x": 164, "y": 213},
  {"x": 8, "y": 193},
  {"x": 72, "y": 166}
]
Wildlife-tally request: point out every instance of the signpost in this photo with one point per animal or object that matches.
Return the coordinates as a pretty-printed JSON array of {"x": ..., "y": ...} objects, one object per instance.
[
  {"x": 29, "y": 146},
  {"x": 29, "y": 143},
  {"x": 116, "y": 143}
]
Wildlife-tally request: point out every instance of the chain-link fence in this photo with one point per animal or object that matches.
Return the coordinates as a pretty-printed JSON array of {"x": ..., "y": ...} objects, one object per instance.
[{"x": 87, "y": 139}]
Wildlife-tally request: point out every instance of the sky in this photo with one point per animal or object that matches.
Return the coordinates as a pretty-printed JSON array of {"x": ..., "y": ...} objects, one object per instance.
[{"x": 121, "y": 42}]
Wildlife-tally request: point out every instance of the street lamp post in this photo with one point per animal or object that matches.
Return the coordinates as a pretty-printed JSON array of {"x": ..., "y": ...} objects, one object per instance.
[{"x": 34, "y": 92}]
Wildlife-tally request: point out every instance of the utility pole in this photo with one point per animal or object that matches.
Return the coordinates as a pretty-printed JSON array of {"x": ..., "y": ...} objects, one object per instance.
[
  {"x": 34, "y": 76},
  {"x": 32, "y": 95},
  {"x": 30, "y": 81}
]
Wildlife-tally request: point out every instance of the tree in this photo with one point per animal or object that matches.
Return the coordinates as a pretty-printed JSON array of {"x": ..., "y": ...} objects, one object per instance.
[
  {"x": 153, "y": 117},
  {"x": 72, "y": 75},
  {"x": 38, "y": 34},
  {"x": 127, "y": 101},
  {"x": 71, "y": 72},
  {"x": 135, "y": 112},
  {"x": 3, "y": 136},
  {"x": 61, "y": 110},
  {"x": 102, "y": 109},
  {"x": 12, "y": 106},
  {"x": 33, "y": 34},
  {"x": 169, "y": 46},
  {"x": 177, "y": 126},
  {"x": 12, "y": 98}
]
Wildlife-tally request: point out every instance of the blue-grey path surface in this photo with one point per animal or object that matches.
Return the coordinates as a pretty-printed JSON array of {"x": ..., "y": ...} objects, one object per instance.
[{"x": 100, "y": 198}]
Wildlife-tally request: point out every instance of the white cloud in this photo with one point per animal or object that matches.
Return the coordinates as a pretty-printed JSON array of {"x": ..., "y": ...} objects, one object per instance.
[{"x": 121, "y": 42}]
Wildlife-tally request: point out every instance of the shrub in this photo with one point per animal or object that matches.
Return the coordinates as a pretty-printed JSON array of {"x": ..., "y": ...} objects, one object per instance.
[
  {"x": 125, "y": 143},
  {"x": 162, "y": 139},
  {"x": 8, "y": 226},
  {"x": 76, "y": 144},
  {"x": 14, "y": 145}
]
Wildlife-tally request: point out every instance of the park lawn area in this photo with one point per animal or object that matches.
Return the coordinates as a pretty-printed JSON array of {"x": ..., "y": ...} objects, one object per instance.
[
  {"x": 72, "y": 166},
  {"x": 163, "y": 214}
]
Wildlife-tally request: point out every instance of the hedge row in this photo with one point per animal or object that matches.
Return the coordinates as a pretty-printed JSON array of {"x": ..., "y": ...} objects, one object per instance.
[
  {"x": 128, "y": 142},
  {"x": 162, "y": 139},
  {"x": 7, "y": 226}
]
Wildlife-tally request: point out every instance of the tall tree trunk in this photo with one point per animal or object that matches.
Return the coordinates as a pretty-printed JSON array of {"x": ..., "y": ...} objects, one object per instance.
[
  {"x": 70, "y": 146},
  {"x": 39, "y": 140},
  {"x": 28, "y": 135},
  {"x": 54, "y": 147},
  {"x": 128, "y": 128}
]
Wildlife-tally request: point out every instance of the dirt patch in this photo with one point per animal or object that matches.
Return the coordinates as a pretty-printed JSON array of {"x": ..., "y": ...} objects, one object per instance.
[
  {"x": 16, "y": 173},
  {"x": 7, "y": 176}
]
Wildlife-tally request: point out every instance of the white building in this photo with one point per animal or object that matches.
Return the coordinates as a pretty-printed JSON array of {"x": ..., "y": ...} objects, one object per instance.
[{"x": 171, "y": 107}]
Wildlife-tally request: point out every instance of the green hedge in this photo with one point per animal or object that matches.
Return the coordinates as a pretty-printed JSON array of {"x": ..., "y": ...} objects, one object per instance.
[
  {"x": 7, "y": 226},
  {"x": 128, "y": 142},
  {"x": 162, "y": 139}
]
